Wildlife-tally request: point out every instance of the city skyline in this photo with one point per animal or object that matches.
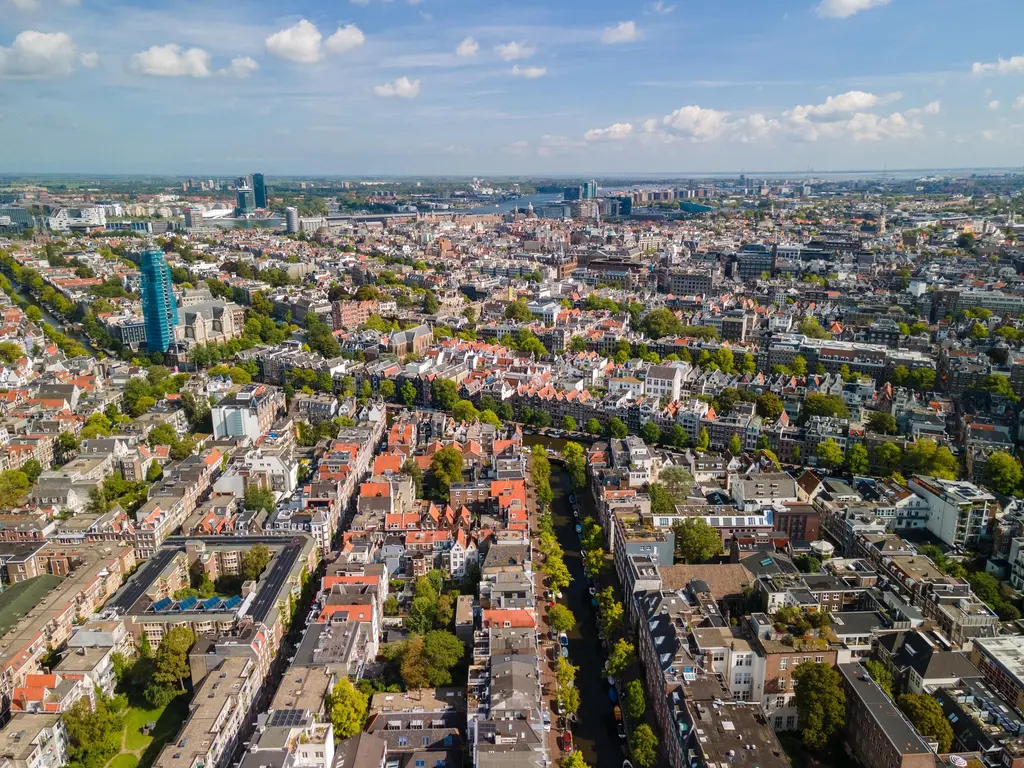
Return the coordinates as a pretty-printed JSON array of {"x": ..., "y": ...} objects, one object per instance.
[{"x": 423, "y": 87}]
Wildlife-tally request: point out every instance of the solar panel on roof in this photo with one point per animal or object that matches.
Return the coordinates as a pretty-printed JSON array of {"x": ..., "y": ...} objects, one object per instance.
[
  {"x": 188, "y": 604},
  {"x": 286, "y": 717},
  {"x": 232, "y": 602},
  {"x": 162, "y": 605},
  {"x": 211, "y": 604}
]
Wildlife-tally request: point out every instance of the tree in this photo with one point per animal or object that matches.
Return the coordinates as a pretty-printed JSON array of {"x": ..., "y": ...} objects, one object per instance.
[
  {"x": 347, "y": 707},
  {"x": 880, "y": 675},
  {"x": 927, "y": 716},
  {"x": 820, "y": 703},
  {"x": 807, "y": 564},
  {"x": 254, "y": 562},
  {"x": 696, "y": 541},
  {"x": 32, "y": 469},
  {"x": 561, "y": 618},
  {"x": 612, "y": 616},
  {"x": 703, "y": 439},
  {"x": 830, "y": 454},
  {"x": 593, "y": 426},
  {"x": 616, "y": 428},
  {"x": 409, "y": 394},
  {"x": 735, "y": 447},
  {"x": 887, "y": 456},
  {"x": 445, "y": 611},
  {"x": 422, "y": 614},
  {"x": 1002, "y": 473},
  {"x": 816, "y": 404},
  {"x": 923, "y": 379},
  {"x": 446, "y": 468},
  {"x": 643, "y": 744},
  {"x": 810, "y": 326},
  {"x": 799, "y": 366},
  {"x": 575, "y": 464},
  {"x": 413, "y": 666},
  {"x": 445, "y": 393},
  {"x": 650, "y": 432},
  {"x": 428, "y": 659},
  {"x": 677, "y": 481},
  {"x": 621, "y": 657},
  {"x": 430, "y": 305},
  {"x": 464, "y": 410},
  {"x": 171, "y": 660},
  {"x": 94, "y": 731},
  {"x": 258, "y": 497},
  {"x": 568, "y": 423},
  {"x": 557, "y": 572},
  {"x": 573, "y": 760},
  {"x": 633, "y": 702},
  {"x": 769, "y": 406},
  {"x": 519, "y": 310},
  {"x": 659, "y": 323},
  {"x": 857, "y": 459},
  {"x": 386, "y": 389},
  {"x": 882, "y": 423},
  {"x": 14, "y": 488}
]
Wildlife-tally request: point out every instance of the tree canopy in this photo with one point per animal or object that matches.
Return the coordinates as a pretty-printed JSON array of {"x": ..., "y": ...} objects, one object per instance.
[{"x": 820, "y": 703}]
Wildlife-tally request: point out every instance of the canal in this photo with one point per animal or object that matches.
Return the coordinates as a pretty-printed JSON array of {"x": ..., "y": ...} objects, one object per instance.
[
  {"x": 594, "y": 733},
  {"x": 51, "y": 319}
]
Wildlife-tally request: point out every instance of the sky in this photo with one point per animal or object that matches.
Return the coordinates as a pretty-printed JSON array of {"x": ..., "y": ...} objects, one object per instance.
[{"x": 497, "y": 87}]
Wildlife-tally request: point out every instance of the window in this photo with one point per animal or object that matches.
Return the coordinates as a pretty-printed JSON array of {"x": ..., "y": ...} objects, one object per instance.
[
  {"x": 403, "y": 741},
  {"x": 819, "y": 659},
  {"x": 778, "y": 723},
  {"x": 780, "y": 702},
  {"x": 784, "y": 662},
  {"x": 790, "y": 722},
  {"x": 782, "y": 682}
]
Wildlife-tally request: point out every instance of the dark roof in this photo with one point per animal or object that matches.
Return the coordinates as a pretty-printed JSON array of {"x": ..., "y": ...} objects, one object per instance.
[{"x": 897, "y": 729}]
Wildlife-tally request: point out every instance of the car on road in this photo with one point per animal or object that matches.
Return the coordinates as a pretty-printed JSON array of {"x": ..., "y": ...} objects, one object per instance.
[
  {"x": 547, "y": 720},
  {"x": 565, "y": 652},
  {"x": 619, "y": 729},
  {"x": 567, "y": 741},
  {"x": 627, "y": 764},
  {"x": 593, "y": 591},
  {"x": 563, "y": 638}
]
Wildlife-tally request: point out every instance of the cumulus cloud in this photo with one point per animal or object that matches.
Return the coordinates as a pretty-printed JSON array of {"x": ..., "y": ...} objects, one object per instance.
[
  {"x": 402, "y": 88},
  {"x": 851, "y": 101},
  {"x": 841, "y": 9},
  {"x": 697, "y": 123},
  {"x": 467, "y": 48},
  {"x": 345, "y": 39},
  {"x": 993, "y": 105},
  {"x": 529, "y": 72},
  {"x": 299, "y": 43},
  {"x": 616, "y": 132},
  {"x": 1019, "y": 103},
  {"x": 240, "y": 67},
  {"x": 1000, "y": 66},
  {"x": 41, "y": 54},
  {"x": 660, "y": 7},
  {"x": 623, "y": 32},
  {"x": 89, "y": 59},
  {"x": 171, "y": 60},
  {"x": 931, "y": 108},
  {"x": 514, "y": 50}
]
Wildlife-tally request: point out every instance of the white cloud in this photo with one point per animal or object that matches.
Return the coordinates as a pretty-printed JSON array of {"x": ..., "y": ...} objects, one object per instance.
[
  {"x": 240, "y": 67},
  {"x": 345, "y": 39},
  {"x": 529, "y": 72},
  {"x": 402, "y": 88},
  {"x": 171, "y": 60},
  {"x": 1019, "y": 103},
  {"x": 39, "y": 54},
  {"x": 89, "y": 59},
  {"x": 841, "y": 9},
  {"x": 513, "y": 50},
  {"x": 660, "y": 7},
  {"x": 851, "y": 101},
  {"x": 467, "y": 48},
  {"x": 989, "y": 135},
  {"x": 697, "y": 123},
  {"x": 616, "y": 132},
  {"x": 931, "y": 108},
  {"x": 1000, "y": 66},
  {"x": 755, "y": 127},
  {"x": 299, "y": 43},
  {"x": 623, "y": 32},
  {"x": 993, "y": 105}
]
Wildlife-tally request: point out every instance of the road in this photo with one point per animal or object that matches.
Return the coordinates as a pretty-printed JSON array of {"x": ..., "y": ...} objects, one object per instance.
[{"x": 594, "y": 733}]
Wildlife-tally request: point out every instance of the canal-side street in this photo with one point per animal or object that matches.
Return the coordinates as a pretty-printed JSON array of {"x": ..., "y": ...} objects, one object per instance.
[{"x": 594, "y": 732}]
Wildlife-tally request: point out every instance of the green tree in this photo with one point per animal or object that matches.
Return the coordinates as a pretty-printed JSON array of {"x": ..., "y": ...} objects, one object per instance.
[
  {"x": 14, "y": 488},
  {"x": 643, "y": 745},
  {"x": 927, "y": 716},
  {"x": 820, "y": 703},
  {"x": 254, "y": 562},
  {"x": 259, "y": 497},
  {"x": 409, "y": 394},
  {"x": 887, "y": 456},
  {"x": 677, "y": 481},
  {"x": 573, "y": 760},
  {"x": 616, "y": 428},
  {"x": 882, "y": 423},
  {"x": 816, "y": 404},
  {"x": 430, "y": 305},
  {"x": 593, "y": 426},
  {"x": 880, "y": 675},
  {"x": 422, "y": 615},
  {"x": 703, "y": 439},
  {"x": 557, "y": 572},
  {"x": 696, "y": 541},
  {"x": 1002, "y": 473},
  {"x": 386, "y": 389},
  {"x": 568, "y": 423},
  {"x": 659, "y": 323},
  {"x": 857, "y": 459},
  {"x": 634, "y": 704},
  {"x": 799, "y": 366},
  {"x": 445, "y": 393},
  {"x": 575, "y": 464},
  {"x": 621, "y": 657},
  {"x": 650, "y": 432},
  {"x": 518, "y": 310},
  {"x": 346, "y": 705},
  {"x": 32, "y": 469},
  {"x": 807, "y": 564},
  {"x": 560, "y": 618},
  {"x": 171, "y": 661},
  {"x": 830, "y": 454},
  {"x": 735, "y": 447},
  {"x": 769, "y": 406},
  {"x": 446, "y": 468}
]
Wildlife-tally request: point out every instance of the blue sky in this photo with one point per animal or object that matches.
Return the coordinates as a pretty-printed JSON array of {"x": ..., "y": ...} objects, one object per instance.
[{"x": 493, "y": 87}]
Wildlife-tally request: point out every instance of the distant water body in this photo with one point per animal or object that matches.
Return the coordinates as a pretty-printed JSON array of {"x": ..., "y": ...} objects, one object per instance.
[{"x": 521, "y": 202}]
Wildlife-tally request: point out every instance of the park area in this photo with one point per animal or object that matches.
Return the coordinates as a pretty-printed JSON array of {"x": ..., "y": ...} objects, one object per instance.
[{"x": 139, "y": 747}]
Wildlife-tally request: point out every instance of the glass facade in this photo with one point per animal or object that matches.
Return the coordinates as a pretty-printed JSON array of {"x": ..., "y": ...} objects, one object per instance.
[
  {"x": 159, "y": 306},
  {"x": 259, "y": 189}
]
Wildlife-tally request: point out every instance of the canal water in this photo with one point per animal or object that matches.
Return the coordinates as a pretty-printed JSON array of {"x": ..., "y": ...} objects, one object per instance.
[
  {"x": 51, "y": 319},
  {"x": 594, "y": 733}
]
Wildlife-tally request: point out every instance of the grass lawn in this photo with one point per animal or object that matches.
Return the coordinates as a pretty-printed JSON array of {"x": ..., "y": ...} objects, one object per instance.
[
  {"x": 168, "y": 721},
  {"x": 124, "y": 760},
  {"x": 22, "y": 597}
]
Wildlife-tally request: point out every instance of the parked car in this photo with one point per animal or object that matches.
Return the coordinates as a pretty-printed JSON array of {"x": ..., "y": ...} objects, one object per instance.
[
  {"x": 567, "y": 741},
  {"x": 619, "y": 729},
  {"x": 563, "y": 638}
]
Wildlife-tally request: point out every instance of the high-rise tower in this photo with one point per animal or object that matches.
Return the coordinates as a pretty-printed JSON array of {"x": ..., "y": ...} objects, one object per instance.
[
  {"x": 259, "y": 189},
  {"x": 159, "y": 306}
]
